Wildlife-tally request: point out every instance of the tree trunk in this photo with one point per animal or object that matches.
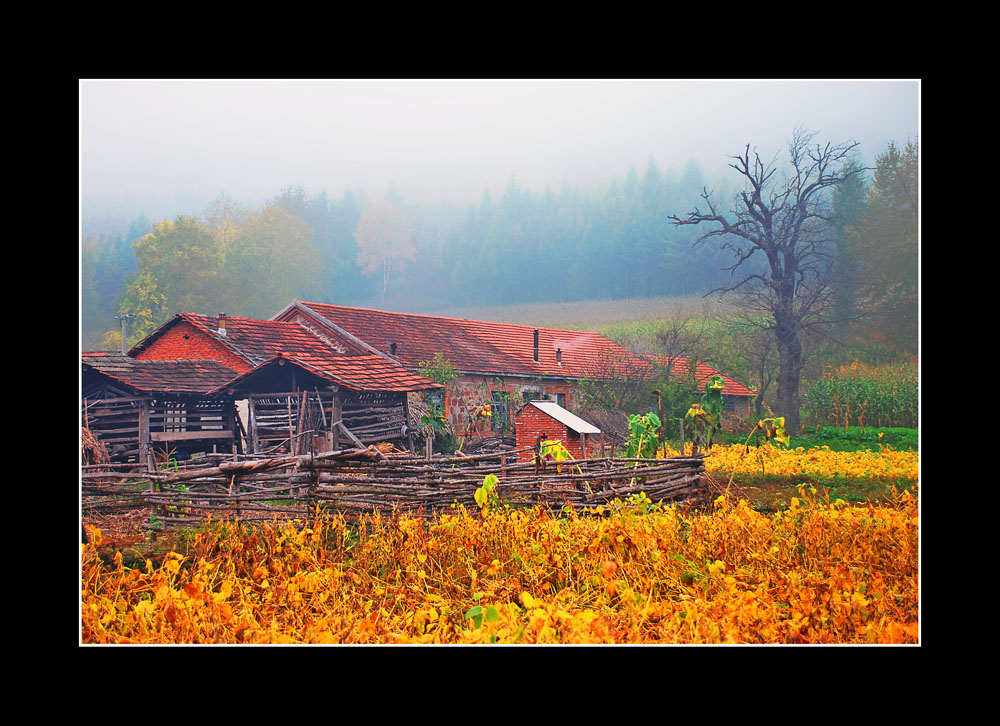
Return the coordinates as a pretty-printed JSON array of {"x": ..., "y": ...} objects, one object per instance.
[{"x": 789, "y": 370}]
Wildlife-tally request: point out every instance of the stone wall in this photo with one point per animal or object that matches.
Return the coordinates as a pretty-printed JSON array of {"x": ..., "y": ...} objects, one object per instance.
[{"x": 469, "y": 393}]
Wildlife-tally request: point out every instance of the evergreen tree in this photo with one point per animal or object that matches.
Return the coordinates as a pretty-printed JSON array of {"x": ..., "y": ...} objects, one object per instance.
[{"x": 885, "y": 246}]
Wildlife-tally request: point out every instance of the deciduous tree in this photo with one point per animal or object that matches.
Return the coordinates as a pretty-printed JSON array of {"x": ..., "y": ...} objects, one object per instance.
[
  {"x": 177, "y": 265},
  {"x": 779, "y": 237},
  {"x": 270, "y": 261},
  {"x": 383, "y": 237}
]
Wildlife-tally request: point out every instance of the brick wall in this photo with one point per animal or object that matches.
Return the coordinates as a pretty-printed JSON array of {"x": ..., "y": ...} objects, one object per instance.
[
  {"x": 183, "y": 341},
  {"x": 532, "y": 423}
]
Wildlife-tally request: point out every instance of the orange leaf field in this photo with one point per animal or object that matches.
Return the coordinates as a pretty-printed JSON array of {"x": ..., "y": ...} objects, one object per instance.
[{"x": 815, "y": 572}]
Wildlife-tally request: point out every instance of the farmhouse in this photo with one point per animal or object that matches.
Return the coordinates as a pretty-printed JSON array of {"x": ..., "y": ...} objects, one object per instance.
[
  {"x": 502, "y": 364},
  {"x": 317, "y": 375}
]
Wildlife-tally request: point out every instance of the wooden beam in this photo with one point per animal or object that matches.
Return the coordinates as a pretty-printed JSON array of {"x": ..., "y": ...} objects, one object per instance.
[
  {"x": 352, "y": 437},
  {"x": 189, "y": 435},
  {"x": 143, "y": 431}
]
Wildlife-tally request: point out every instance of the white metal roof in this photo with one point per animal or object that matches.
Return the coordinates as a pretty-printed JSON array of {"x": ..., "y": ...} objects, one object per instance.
[{"x": 563, "y": 416}]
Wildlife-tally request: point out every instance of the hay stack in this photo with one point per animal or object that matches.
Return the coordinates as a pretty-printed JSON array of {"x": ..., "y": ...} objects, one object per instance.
[{"x": 93, "y": 451}]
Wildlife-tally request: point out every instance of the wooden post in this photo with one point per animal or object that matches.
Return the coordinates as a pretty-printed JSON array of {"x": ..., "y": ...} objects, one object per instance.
[
  {"x": 291, "y": 434},
  {"x": 144, "y": 431},
  {"x": 336, "y": 409},
  {"x": 253, "y": 424},
  {"x": 682, "y": 437}
]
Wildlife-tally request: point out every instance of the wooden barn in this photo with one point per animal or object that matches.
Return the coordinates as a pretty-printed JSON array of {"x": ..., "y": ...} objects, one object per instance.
[
  {"x": 139, "y": 409},
  {"x": 545, "y": 420},
  {"x": 303, "y": 389},
  {"x": 313, "y": 405}
]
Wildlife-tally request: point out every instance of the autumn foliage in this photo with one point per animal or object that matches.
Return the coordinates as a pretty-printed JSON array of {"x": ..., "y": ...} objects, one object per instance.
[
  {"x": 634, "y": 572},
  {"x": 815, "y": 464}
]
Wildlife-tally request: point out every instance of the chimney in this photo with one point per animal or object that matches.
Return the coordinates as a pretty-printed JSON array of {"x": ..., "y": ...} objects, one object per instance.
[
  {"x": 558, "y": 356},
  {"x": 536, "y": 345},
  {"x": 392, "y": 349},
  {"x": 222, "y": 324},
  {"x": 123, "y": 318}
]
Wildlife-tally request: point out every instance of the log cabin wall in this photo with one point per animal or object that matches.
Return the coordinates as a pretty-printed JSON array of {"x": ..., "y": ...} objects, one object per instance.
[
  {"x": 301, "y": 422},
  {"x": 134, "y": 428}
]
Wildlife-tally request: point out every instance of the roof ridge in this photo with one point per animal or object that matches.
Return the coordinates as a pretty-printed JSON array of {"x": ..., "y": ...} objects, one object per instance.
[{"x": 447, "y": 317}]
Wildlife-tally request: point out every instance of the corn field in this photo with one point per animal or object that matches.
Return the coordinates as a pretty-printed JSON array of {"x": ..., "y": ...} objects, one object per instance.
[{"x": 860, "y": 395}]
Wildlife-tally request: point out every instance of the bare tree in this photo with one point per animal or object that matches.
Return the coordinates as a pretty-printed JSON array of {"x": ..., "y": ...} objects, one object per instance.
[
  {"x": 678, "y": 340},
  {"x": 778, "y": 235}
]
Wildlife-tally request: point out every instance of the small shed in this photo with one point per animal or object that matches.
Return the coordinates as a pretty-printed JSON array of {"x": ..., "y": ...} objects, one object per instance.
[
  {"x": 543, "y": 420},
  {"x": 312, "y": 404},
  {"x": 137, "y": 408}
]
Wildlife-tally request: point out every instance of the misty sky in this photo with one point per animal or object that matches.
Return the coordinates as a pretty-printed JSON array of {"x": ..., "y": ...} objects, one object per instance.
[{"x": 164, "y": 148}]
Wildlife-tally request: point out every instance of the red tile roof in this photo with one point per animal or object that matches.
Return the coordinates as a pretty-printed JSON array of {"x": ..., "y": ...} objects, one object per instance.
[
  {"x": 360, "y": 373},
  {"x": 702, "y": 373},
  {"x": 471, "y": 345},
  {"x": 256, "y": 341},
  {"x": 156, "y": 376},
  {"x": 323, "y": 351}
]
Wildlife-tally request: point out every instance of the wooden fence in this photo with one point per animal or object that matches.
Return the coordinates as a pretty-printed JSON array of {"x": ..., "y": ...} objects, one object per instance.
[{"x": 355, "y": 481}]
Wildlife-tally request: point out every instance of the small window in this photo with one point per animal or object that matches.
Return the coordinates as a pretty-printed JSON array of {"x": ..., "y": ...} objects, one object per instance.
[
  {"x": 730, "y": 402},
  {"x": 501, "y": 411},
  {"x": 561, "y": 399}
]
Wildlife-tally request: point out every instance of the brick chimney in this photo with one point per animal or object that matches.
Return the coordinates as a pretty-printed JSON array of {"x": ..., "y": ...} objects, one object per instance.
[
  {"x": 536, "y": 345},
  {"x": 222, "y": 324}
]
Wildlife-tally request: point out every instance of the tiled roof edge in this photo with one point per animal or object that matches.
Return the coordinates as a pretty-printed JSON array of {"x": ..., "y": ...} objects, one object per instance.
[{"x": 304, "y": 307}]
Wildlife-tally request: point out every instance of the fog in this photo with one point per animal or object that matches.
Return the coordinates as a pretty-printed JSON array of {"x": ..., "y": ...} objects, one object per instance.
[{"x": 163, "y": 148}]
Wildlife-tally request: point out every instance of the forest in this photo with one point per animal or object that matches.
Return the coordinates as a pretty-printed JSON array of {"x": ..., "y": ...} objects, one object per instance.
[
  {"x": 625, "y": 240},
  {"x": 524, "y": 247}
]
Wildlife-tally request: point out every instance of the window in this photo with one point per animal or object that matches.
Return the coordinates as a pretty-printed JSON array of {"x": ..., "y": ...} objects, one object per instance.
[
  {"x": 501, "y": 411},
  {"x": 561, "y": 399}
]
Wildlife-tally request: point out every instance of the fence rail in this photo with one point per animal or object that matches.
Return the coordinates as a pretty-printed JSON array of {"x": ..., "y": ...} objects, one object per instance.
[{"x": 353, "y": 481}]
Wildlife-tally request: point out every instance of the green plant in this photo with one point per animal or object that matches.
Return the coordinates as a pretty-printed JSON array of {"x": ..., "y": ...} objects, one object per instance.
[
  {"x": 642, "y": 430},
  {"x": 435, "y": 418},
  {"x": 486, "y": 494},
  {"x": 438, "y": 370},
  {"x": 553, "y": 448},
  {"x": 703, "y": 419}
]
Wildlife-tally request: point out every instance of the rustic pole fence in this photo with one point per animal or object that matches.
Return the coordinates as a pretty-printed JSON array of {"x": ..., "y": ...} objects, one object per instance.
[{"x": 359, "y": 480}]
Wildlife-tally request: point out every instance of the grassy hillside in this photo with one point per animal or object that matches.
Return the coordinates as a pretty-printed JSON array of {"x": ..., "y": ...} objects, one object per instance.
[{"x": 595, "y": 315}]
